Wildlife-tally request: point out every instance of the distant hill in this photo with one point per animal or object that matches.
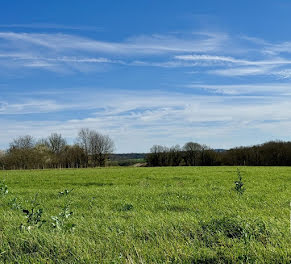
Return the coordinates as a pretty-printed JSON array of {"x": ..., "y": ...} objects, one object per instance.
[
  {"x": 135, "y": 156},
  {"x": 127, "y": 156},
  {"x": 220, "y": 150}
]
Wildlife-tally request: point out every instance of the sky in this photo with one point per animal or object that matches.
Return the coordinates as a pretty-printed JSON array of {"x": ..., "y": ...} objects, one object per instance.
[{"x": 147, "y": 72}]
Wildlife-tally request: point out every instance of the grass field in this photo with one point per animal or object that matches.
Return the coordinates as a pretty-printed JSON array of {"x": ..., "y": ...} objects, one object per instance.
[{"x": 146, "y": 215}]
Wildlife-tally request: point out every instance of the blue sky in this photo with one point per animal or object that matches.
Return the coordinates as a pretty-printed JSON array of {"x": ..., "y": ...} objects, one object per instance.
[{"x": 147, "y": 72}]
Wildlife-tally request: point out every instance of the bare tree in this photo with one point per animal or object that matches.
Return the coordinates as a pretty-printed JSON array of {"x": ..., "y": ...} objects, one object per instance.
[
  {"x": 174, "y": 156},
  {"x": 100, "y": 147},
  {"x": 83, "y": 140},
  {"x": 23, "y": 142},
  {"x": 158, "y": 155},
  {"x": 22, "y": 152},
  {"x": 192, "y": 151},
  {"x": 2, "y": 159},
  {"x": 204, "y": 149},
  {"x": 95, "y": 145},
  {"x": 56, "y": 143}
]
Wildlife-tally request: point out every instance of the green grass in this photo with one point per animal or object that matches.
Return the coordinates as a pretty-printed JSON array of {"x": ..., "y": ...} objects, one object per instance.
[{"x": 149, "y": 215}]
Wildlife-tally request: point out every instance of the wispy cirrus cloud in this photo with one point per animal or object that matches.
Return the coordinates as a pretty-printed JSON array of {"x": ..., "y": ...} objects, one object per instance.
[
  {"x": 50, "y": 50},
  {"x": 210, "y": 53},
  {"x": 212, "y": 58},
  {"x": 50, "y": 26},
  {"x": 262, "y": 89},
  {"x": 244, "y": 71},
  {"x": 240, "y": 67},
  {"x": 134, "y": 45},
  {"x": 30, "y": 106}
]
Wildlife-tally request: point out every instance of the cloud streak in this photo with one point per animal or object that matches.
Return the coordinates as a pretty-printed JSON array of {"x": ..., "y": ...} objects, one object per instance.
[
  {"x": 135, "y": 45},
  {"x": 50, "y": 26},
  {"x": 262, "y": 89}
]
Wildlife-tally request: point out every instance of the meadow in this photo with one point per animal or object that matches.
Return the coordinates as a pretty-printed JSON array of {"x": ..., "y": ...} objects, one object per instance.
[{"x": 145, "y": 215}]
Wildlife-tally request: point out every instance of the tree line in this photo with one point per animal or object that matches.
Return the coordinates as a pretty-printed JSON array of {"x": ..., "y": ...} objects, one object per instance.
[
  {"x": 90, "y": 150},
  {"x": 273, "y": 153}
]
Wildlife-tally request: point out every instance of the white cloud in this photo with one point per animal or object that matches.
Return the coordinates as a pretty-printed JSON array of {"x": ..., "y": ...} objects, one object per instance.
[
  {"x": 50, "y": 26},
  {"x": 284, "y": 74},
  {"x": 135, "y": 45},
  {"x": 30, "y": 106},
  {"x": 265, "y": 89},
  {"x": 206, "y": 57},
  {"x": 212, "y": 53},
  {"x": 224, "y": 116},
  {"x": 242, "y": 71},
  {"x": 65, "y": 52},
  {"x": 274, "y": 49},
  {"x": 213, "y": 58},
  {"x": 152, "y": 117}
]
